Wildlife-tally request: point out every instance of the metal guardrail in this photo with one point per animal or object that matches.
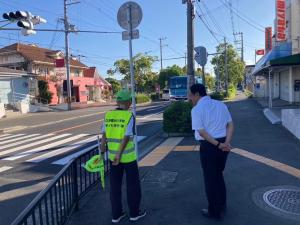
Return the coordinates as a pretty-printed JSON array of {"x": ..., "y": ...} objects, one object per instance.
[{"x": 55, "y": 204}]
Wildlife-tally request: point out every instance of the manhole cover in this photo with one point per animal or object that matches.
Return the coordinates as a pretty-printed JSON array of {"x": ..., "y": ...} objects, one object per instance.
[
  {"x": 160, "y": 177},
  {"x": 285, "y": 200}
]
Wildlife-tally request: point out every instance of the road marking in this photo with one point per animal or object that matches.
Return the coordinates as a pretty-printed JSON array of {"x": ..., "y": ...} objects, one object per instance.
[
  {"x": 160, "y": 152},
  {"x": 12, "y": 136},
  {"x": 32, "y": 144},
  {"x": 67, "y": 159},
  {"x": 5, "y": 168},
  {"x": 81, "y": 125},
  {"x": 44, "y": 148},
  {"x": 24, "y": 141},
  {"x": 258, "y": 158},
  {"x": 4, "y": 135},
  {"x": 154, "y": 114},
  {"x": 17, "y": 139},
  {"x": 269, "y": 162},
  {"x": 61, "y": 150}
]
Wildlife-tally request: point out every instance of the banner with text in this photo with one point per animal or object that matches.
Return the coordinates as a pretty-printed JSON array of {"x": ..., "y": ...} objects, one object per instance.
[
  {"x": 280, "y": 20},
  {"x": 268, "y": 39}
]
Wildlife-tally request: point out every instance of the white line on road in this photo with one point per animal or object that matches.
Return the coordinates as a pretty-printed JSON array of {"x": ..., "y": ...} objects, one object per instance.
[
  {"x": 4, "y": 135},
  {"x": 17, "y": 139},
  {"x": 43, "y": 148},
  {"x": 13, "y": 136},
  {"x": 145, "y": 117},
  {"x": 24, "y": 141},
  {"x": 67, "y": 159},
  {"x": 62, "y": 150},
  {"x": 5, "y": 168},
  {"x": 32, "y": 144}
]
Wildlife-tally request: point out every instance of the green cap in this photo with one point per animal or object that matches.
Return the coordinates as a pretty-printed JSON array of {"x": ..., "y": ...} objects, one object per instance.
[{"x": 123, "y": 96}]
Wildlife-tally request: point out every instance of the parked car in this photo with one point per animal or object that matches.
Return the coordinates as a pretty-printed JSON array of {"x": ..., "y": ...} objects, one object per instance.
[{"x": 166, "y": 95}]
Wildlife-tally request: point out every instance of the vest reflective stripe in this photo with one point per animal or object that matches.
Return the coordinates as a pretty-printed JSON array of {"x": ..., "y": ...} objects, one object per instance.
[{"x": 116, "y": 123}]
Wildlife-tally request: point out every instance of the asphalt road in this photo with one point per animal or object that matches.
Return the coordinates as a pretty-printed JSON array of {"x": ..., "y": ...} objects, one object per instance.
[{"x": 42, "y": 144}]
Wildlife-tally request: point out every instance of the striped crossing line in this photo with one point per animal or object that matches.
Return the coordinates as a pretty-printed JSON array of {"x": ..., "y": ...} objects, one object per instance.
[{"x": 35, "y": 148}]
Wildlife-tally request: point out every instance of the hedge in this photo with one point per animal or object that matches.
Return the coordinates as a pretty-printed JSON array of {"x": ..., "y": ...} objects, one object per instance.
[
  {"x": 142, "y": 98},
  {"x": 177, "y": 118}
]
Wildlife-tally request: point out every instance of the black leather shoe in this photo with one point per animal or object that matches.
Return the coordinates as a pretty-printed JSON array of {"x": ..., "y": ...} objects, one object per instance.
[{"x": 206, "y": 214}]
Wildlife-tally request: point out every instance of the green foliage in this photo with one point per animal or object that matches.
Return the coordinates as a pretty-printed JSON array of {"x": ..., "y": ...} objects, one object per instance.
[
  {"x": 116, "y": 86},
  {"x": 154, "y": 96},
  {"x": 235, "y": 65},
  {"x": 142, "y": 98},
  {"x": 177, "y": 118},
  {"x": 218, "y": 95},
  {"x": 44, "y": 94},
  {"x": 165, "y": 75},
  {"x": 248, "y": 93},
  {"x": 231, "y": 91},
  {"x": 142, "y": 69}
]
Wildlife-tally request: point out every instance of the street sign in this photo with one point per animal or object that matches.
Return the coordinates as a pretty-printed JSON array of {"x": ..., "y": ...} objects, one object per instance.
[
  {"x": 126, "y": 36},
  {"x": 201, "y": 55},
  {"x": 136, "y": 15}
]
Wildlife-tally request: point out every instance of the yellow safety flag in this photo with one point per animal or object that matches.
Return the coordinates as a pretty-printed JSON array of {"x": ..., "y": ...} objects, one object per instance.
[{"x": 96, "y": 164}]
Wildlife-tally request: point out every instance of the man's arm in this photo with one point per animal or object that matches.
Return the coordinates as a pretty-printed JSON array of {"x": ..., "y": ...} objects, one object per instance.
[
  {"x": 229, "y": 133},
  {"x": 210, "y": 139}
]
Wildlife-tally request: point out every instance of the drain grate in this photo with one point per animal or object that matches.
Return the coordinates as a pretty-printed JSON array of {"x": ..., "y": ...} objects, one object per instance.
[
  {"x": 160, "y": 176},
  {"x": 284, "y": 200}
]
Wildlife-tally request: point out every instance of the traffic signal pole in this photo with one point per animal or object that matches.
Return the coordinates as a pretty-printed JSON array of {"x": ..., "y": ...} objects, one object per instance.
[{"x": 66, "y": 23}]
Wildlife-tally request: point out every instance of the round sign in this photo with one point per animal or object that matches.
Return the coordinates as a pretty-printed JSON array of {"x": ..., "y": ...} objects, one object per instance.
[{"x": 136, "y": 15}]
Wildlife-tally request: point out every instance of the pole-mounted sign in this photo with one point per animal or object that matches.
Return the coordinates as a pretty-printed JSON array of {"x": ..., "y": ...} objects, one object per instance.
[{"x": 129, "y": 17}]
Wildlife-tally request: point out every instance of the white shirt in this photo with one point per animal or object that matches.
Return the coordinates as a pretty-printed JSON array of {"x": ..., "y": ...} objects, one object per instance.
[
  {"x": 212, "y": 116},
  {"x": 129, "y": 130}
]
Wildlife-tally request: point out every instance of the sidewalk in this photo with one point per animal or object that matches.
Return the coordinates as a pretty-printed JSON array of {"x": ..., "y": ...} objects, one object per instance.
[{"x": 266, "y": 158}]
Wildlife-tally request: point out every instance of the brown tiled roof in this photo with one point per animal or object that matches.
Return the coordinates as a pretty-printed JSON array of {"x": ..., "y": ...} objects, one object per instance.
[{"x": 34, "y": 53}]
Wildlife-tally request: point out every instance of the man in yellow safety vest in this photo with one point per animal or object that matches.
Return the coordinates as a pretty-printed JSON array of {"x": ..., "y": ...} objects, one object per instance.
[{"x": 118, "y": 131}]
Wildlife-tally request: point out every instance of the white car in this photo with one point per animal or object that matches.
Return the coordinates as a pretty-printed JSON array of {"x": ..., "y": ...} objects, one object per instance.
[{"x": 166, "y": 95}]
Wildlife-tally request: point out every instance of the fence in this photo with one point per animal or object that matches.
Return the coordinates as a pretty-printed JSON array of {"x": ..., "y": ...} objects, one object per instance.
[{"x": 55, "y": 204}]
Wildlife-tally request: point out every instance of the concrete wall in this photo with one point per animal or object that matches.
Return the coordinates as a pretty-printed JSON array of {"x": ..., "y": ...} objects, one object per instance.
[
  {"x": 291, "y": 120},
  {"x": 14, "y": 89}
]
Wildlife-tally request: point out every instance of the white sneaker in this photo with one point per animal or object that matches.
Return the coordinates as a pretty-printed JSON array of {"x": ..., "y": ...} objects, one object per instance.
[
  {"x": 141, "y": 215},
  {"x": 117, "y": 220}
]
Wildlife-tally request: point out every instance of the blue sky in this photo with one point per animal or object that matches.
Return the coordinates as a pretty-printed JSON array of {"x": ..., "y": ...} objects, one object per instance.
[{"x": 161, "y": 19}]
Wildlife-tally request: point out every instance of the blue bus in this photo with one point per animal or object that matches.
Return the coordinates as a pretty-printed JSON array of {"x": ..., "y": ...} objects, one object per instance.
[{"x": 178, "y": 87}]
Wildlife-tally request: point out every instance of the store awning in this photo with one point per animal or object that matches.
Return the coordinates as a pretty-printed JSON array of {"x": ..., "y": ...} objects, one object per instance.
[
  {"x": 282, "y": 51},
  {"x": 286, "y": 61}
]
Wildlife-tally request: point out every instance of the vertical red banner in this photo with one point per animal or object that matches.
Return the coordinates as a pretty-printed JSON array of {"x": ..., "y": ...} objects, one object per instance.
[
  {"x": 280, "y": 20},
  {"x": 268, "y": 39}
]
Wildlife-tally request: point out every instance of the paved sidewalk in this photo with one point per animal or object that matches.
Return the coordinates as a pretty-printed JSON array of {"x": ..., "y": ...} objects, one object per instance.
[{"x": 266, "y": 158}]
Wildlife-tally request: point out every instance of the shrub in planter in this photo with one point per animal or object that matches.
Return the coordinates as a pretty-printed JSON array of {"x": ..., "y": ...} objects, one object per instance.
[
  {"x": 177, "y": 118},
  {"x": 154, "y": 96},
  {"x": 218, "y": 95},
  {"x": 142, "y": 98}
]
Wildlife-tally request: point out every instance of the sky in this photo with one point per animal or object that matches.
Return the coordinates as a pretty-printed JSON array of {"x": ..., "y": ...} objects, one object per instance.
[{"x": 161, "y": 19}]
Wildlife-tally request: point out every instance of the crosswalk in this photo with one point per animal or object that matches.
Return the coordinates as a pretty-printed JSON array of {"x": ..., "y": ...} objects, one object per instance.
[{"x": 59, "y": 149}]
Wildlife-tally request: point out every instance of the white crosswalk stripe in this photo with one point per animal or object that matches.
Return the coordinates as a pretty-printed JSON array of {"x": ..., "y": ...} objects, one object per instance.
[
  {"x": 35, "y": 148},
  {"x": 17, "y": 139},
  {"x": 9, "y": 137},
  {"x": 4, "y": 135},
  {"x": 23, "y": 147},
  {"x": 5, "y": 168},
  {"x": 62, "y": 150},
  {"x": 25, "y": 141},
  {"x": 43, "y": 148}
]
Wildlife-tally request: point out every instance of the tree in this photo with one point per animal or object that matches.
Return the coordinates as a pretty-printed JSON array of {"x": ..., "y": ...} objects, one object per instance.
[
  {"x": 210, "y": 81},
  {"x": 142, "y": 68},
  {"x": 235, "y": 65},
  {"x": 115, "y": 85},
  {"x": 44, "y": 94},
  {"x": 165, "y": 75}
]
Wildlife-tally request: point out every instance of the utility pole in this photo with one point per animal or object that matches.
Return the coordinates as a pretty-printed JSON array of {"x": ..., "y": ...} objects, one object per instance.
[
  {"x": 190, "y": 41},
  {"x": 185, "y": 62},
  {"x": 226, "y": 67},
  {"x": 66, "y": 22},
  {"x": 161, "y": 46}
]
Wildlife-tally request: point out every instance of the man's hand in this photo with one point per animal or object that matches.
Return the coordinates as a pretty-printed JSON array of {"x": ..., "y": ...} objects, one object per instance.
[
  {"x": 117, "y": 159},
  {"x": 225, "y": 147}
]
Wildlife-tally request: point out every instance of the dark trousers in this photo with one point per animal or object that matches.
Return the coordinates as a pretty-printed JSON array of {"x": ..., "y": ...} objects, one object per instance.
[
  {"x": 213, "y": 162},
  {"x": 132, "y": 185}
]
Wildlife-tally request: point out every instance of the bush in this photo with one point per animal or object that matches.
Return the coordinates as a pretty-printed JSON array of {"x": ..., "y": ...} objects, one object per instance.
[
  {"x": 177, "y": 118},
  {"x": 218, "y": 95},
  {"x": 248, "y": 93},
  {"x": 231, "y": 91},
  {"x": 44, "y": 94},
  {"x": 142, "y": 98},
  {"x": 154, "y": 96}
]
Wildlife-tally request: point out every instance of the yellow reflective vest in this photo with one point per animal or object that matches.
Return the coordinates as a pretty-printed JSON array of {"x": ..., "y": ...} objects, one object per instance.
[{"x": 116, "y": 123}]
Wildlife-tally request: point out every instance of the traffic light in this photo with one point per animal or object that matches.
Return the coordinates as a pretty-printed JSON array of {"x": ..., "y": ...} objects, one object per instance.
[{"x": 25, "y": 20}]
